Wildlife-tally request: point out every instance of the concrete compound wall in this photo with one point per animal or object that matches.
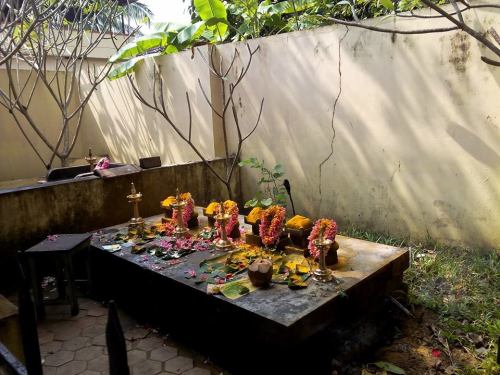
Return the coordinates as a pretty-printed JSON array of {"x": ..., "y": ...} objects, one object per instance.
[
  {"x": 131, "y": 130},
  {"x": 29, "y": 214},
  {"x": 416, "y": 125},
  {"x": 415, "y": 143}
]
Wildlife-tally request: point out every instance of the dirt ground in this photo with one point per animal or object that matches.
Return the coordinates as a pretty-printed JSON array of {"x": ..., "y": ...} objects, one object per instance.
[{"x": 419, "y": 348}]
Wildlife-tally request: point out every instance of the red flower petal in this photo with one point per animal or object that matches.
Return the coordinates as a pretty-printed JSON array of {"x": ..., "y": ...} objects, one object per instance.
[{"x": 436, "y": 353}]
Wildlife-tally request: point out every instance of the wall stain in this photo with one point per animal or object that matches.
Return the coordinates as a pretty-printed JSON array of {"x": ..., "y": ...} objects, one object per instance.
[
  {"x": 460, "y": 52},
  {"x": 397, "y": 169},
  {"x": 316, "y": 48},
  {"x": 447, "y": 215}
]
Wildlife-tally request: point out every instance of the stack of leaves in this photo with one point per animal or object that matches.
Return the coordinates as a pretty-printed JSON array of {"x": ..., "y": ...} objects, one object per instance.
[
  {"x": 292, "y": 269},
  {"x": 149, "y": 234}
]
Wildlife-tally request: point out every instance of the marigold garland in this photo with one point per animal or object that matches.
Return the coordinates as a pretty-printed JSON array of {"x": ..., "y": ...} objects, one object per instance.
[
  {"x": 329, "y": 227},
  {"x": 299, "y": 222},
  {"x": 271, "y": 223},
  {"x": 230, "y": 208},
  {"x": 168, "y": 201},
  {"x": 212, "y": 208},
  {"x": 254, "y": 215},
  {"x": 188, "y": 208}
]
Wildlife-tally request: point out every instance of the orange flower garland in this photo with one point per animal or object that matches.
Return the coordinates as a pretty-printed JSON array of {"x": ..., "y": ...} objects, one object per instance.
[{"x": 271, "y": 222}]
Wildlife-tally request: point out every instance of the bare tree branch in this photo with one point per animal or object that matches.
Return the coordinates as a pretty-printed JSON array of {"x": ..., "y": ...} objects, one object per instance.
[
  {"x": 158, "y": 104},
  {"x": 256, "y": 122},
  {"x": 461, "y": 25},
  {"x": 208, "y": 100},
  {"x": 494, "y": 34},
  {"x": 489, "y": 61},
  {"x": 457, "y": 11},
  {"x": 392, "y": 31},
  {"x": 190, "y": 116},
  {"x": 164, "y": 113}
]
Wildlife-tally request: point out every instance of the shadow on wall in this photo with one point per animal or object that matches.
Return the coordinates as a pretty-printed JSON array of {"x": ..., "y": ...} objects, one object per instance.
[
  {"x": 400, "y": 164},
  {"x": 132, "y": 130},
  {"x": 474, "y": 145}
]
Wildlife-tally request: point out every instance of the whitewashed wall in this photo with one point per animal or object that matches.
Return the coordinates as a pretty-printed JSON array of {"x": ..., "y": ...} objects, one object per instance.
[
  {"x": 132, "y": 130},
  {"x": 417, "y": 146}
]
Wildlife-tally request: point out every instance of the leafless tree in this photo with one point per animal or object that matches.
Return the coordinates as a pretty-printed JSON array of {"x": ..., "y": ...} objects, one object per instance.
[
  {"x": 55, "y": 56},
  {"x": 229, "y": 80},
  {"x": 18, "y": 18}
]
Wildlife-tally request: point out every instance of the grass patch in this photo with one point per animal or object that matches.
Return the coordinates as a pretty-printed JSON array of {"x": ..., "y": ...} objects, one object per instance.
[{"x": 462, "y": 286}]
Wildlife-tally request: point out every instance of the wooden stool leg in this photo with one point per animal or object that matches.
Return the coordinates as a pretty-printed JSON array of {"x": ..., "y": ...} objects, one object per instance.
[
  {"x": 37, "y": 289},
  {"x": 89, "y": 273},
  {"x": 68, "y": 268},
  {"x": 61, "y": 287}
]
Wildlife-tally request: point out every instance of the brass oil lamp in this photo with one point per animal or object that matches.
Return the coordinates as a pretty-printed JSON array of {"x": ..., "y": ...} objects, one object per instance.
[
  {"x": 137, "y": 222},
  {"x": 91, "y": 159},
  {"x": 222, "y": 243},
  {"x": 179, "y": 205},
  {"x": 322, "y": 273}
]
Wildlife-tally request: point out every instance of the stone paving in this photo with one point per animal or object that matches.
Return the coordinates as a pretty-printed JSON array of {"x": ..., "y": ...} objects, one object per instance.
[{"x": 77, "y": 345}]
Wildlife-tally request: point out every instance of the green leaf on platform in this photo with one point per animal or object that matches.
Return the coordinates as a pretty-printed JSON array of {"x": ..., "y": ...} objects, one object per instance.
[
  {"x": 237, "y": 288},
  {"x": 296, "y": 282}
]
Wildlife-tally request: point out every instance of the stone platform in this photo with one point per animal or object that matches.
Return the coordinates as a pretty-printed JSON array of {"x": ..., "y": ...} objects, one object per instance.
[{"x": 277, "y": 318}]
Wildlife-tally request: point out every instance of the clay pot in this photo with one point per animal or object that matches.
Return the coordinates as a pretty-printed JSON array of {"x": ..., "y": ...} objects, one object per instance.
[{"x": 260, "y": 272}]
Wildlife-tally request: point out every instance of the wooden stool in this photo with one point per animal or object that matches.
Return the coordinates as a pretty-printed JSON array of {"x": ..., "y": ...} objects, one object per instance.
[
  {"x": 10, "y": 333},
  {"x": 60, "y": 248}
]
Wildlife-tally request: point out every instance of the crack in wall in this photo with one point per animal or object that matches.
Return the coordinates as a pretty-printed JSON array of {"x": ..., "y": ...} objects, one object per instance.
[{"x": 334, "y": 132}]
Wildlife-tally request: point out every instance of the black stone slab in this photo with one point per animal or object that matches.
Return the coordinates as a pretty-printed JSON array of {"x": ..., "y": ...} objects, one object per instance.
[{"x": 363, "y": 266}]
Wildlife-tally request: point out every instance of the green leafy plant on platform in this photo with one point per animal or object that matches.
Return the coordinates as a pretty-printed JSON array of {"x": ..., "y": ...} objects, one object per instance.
[{"x": 271, "y": 190}]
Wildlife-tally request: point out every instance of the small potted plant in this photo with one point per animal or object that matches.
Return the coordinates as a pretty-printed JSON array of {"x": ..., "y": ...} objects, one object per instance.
[{"x": 271, "y": 191}]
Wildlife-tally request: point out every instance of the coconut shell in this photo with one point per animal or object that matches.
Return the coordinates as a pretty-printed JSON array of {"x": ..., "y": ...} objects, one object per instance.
[{"x": 260, "y": 272}]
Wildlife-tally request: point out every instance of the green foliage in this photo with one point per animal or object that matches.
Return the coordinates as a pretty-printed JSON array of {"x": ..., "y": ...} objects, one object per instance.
[
  {"x": 273, "y": 191},
  {"x": 214, "y": 21},
  {"x": 167, "y": 38},
  {"x": 254, "y": 18},
  {"x": 461, "y": 285},
  {"x": 210, "y": 10}
]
